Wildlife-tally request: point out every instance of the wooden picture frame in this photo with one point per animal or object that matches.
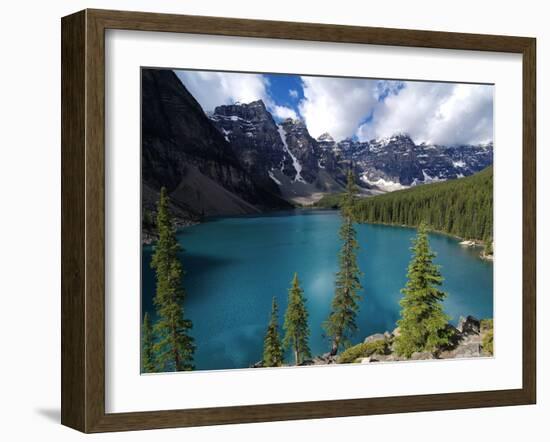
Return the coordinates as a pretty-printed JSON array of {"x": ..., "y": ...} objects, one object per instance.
[{"x": 83, "y": 220}]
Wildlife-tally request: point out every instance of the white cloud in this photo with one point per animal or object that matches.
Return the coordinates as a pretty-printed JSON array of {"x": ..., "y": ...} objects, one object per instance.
[
  {"x": 388, "y": 87},
  {"x": 444, "y": 113},
  {"x": 212, "y": 89},
  {"x": 283, "y": 112},
  {"x": 441, "y": 113},
  {"x": 336, "y": 105}
]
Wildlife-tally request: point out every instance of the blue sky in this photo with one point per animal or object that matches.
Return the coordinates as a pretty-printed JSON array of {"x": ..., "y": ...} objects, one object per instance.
[
  {"x": 431, "y": 112},
  {"x": 286, "y": 90}
]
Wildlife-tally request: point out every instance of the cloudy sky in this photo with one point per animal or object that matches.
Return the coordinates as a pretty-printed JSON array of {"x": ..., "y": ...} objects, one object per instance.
[{"x": 444, "y": 113}]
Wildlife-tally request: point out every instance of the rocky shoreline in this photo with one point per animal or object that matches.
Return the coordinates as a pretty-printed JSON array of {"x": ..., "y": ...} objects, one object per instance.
[
  {"x": 476, "y": 243},
  {"x": 471, "y": 338}
]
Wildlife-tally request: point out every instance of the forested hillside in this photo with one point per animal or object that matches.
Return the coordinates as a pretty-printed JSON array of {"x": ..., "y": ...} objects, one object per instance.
[{"x": 462, "y": 207}]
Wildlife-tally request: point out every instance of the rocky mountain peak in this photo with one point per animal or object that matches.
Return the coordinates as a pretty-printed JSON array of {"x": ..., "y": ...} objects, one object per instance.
[
  {"x": 295, "y": 123},
  {"x": 256, "y": 140},
  {"x": 258, "y": 103},
  {"x": 325, "y": 137},
  {"x": 183, "y": 151},
  {"x": 396, "y": 161},
  {"x": 399, "y": 139},
  {"x": 302, "y": 147},
  {"x": 253, "y": 112}
]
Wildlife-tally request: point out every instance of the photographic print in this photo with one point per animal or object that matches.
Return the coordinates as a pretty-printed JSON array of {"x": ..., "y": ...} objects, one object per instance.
[{"x": 296, "y": 220}]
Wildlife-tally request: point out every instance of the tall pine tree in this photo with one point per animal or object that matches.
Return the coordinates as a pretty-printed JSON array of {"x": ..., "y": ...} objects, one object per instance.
[
  {"x": 296, "y": 323},
  {"x": 273, "y": 351},
  {"x": 423, "y": 324},
  {"x": 147, "y": 342},
  {"x": 174, "y": 347},
  {"x": 341, "y": 324}
]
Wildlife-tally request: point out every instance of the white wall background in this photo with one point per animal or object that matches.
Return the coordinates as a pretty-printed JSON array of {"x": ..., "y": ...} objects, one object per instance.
[{"x": 30, "y": 217}]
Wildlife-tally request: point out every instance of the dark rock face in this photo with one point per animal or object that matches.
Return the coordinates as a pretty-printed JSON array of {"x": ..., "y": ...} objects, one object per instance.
[
  {"x": 303, "y": 147},
  {"x": 331, "y": 158},
  {"x": 282, "y": 157},
  {"x": 393, "y": 160},
  {"x": 255, "y": 140},
  {"x": 183, "y": 151}
]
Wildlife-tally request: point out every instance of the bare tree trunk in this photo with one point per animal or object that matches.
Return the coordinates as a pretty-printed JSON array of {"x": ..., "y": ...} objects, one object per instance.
[
  {"x": 175, "y": 349},
  {"x": 296, "y": 351},
  {"x": 335, "y": 345}
]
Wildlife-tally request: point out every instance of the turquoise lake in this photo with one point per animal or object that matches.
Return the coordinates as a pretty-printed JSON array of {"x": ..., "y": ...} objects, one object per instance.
[{"x": 234, "y": 266}]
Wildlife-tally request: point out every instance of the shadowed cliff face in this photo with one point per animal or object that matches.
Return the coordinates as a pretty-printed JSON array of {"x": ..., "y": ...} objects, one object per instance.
[
  {"x": 283, "y": 156},
  {"x": 255, "y": 139},
  {"x": 183, "y": 151}
]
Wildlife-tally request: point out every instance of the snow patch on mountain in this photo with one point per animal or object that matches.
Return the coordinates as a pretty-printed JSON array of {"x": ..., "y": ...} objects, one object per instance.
[
  {"x": 381, "y": 183},
  {"x": 270, "y": 173},
  {"x": 295, "y": 162},
  {"x": 225, "y": 134},
  {"x": 326, "y": 137},
  {"x": 430, "y": 179}
]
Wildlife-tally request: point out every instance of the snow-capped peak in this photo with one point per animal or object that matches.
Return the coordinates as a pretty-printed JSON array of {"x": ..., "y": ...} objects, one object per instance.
[{"x": 325, "y": 137}]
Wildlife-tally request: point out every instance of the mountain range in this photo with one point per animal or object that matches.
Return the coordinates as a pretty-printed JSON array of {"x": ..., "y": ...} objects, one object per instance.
[{"x": 238, "y": 159}]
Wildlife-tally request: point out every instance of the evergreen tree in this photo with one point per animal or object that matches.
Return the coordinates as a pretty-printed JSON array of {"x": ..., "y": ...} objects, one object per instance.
[
  {"x": 423, "y": 324},
  {"x": 147, "y": 342},
  {"x": 341, "y": 324},
  {"x": 273, "y": 351},
  {"x": 296, "y": 323},
  {"x": 349, "y": 197},
  {"x": 174, "y": 347}
]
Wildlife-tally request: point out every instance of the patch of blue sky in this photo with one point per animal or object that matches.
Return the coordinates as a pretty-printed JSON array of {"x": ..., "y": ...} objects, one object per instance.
[
  {"x": 385, "y": 88},
  {"x": 285, "y": 90}
]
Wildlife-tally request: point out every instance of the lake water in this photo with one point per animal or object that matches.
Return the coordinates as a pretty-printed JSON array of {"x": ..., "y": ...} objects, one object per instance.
[{"x": 234, "y": 266}]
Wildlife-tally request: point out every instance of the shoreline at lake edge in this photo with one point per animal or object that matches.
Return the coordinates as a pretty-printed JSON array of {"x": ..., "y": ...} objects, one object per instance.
[{"x": 472, "y": 338}]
